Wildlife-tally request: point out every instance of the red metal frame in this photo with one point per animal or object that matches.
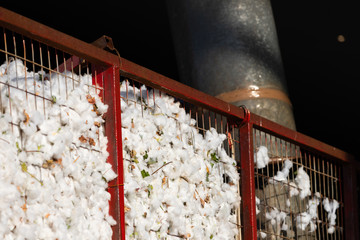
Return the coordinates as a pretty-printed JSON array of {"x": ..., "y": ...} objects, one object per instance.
[
  {"x": 109, "y": 79},
  {"x": 248, "y": 181},
  {"x": 107, "y": 73}
]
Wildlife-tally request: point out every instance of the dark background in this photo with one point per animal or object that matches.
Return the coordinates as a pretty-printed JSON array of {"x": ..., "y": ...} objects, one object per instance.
[{"x": 322, "y": 72}]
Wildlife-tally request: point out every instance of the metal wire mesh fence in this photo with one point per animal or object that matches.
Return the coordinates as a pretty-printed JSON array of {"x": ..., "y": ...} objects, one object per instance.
[
  {"x": 303, "y": 216},
  {"x": 304, "y": 190}
]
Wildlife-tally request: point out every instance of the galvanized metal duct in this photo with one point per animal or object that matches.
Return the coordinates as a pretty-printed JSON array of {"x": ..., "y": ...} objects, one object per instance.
[{"x": 229, "y": 49}]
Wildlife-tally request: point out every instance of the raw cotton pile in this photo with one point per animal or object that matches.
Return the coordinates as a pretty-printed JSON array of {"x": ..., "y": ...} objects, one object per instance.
[
  {"x": 53, "y": 170},
  {"x": 178, "y": 183}
]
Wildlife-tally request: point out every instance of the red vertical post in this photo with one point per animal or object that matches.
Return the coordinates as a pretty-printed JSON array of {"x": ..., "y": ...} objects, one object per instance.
[
  {"x": 351, "y": 226},
  {"x": 248, "y": 181},
  {"x": 109, "y": 79}
]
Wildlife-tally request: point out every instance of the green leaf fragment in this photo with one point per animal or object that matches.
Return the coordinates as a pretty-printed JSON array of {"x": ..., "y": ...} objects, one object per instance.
[
  {"x": 24, "y": 167},
  {"x": 18, "y": 147},
  {"x": 144, "y": 173},
  {"x": 214, "y": 157},
  {"x": 145, "y": 155}
]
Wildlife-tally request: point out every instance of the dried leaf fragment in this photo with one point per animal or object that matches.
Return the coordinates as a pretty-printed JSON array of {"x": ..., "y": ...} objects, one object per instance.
[
  {"x": 59, "y": 161},
  {"x": 126, "y": 209},
  {"x": 164, "y": 181},
  {"x": 207, "y": 199},
  {"x": 83, "y": 139},
  {"x": 97, "y": 124},
  {"x": 92, "y": 142},
  {"x": 27, "y": 118},
  {"x": 202, "y": 203},
  {"x": 24, "y": 207},
  {"x": 90, "y": 99},
  {"x": 133, "y": 153},
  {"x": 48, "y": 164}
]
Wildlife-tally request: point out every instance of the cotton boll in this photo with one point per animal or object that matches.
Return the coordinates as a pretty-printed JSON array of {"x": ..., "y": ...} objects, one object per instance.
[
  {"x": 331, "y": 207},
  {"x": 261, "y": 158},
  {"x": 17, "y": 68},
  {"x": 28, "y": 128},
  {"x": 4, "y": 123},
  {"x": 281, "y": 176},
  {"x": 49, "y": 127},
  {"x": 109, "y": 175},
  {"x": 36, "y": 117},
  {"x": 303, "y": 182},
  {"x": 257, "y": 201},
  {"x": 263, "y": 235}
]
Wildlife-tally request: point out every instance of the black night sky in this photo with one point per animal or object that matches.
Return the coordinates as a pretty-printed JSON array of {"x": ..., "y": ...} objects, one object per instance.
[{"x": 319, "y": 42}]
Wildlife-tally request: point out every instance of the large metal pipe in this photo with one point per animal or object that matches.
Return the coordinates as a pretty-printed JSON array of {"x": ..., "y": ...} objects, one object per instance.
[{"x": 229, "y": 49}]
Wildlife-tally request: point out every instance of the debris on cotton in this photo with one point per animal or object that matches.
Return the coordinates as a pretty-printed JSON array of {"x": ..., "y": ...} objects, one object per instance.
[
  {"x": 178, "y": 182},
  {"x": 331, "y": 207},
  {"x": 53, "y": 170},
  {"x": 261, "y": 158}
]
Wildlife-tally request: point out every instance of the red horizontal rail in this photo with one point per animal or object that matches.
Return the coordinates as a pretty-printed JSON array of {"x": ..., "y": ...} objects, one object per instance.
[
  {"x": 129, "y": 69},
  {"x": 174, "y": 88}
]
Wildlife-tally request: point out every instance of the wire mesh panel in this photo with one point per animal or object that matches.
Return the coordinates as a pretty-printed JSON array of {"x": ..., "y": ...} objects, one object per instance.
[
  {"x": 298, "y": 193},
  {"x": 191, "y": 129},
  {"x": 39, "y": 83}
]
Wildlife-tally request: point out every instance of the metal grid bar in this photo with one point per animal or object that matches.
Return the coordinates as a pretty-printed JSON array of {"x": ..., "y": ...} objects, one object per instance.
[{"x": 274, "y": 193}]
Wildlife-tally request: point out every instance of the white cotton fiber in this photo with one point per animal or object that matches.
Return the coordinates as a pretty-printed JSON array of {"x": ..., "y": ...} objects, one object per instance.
[
  {"x": 310, "y": 216},
  {"x": 303, "y": 182},
  {"x": 261, "y": 158},
  {"x": 281, "y": 176},
  {"x": 50, "y": 188},
  {"x": 331, "y": 207}
]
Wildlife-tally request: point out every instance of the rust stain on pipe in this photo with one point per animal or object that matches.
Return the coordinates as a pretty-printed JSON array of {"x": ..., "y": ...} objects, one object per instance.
[{"x": 252, "y": 93}]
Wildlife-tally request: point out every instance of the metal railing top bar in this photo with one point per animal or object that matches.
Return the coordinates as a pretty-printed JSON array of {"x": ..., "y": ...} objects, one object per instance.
[
  {"x": 301, "y": 140},
  {"x": 57, "y": 39},
  {"x": 73, "y": 46}
]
